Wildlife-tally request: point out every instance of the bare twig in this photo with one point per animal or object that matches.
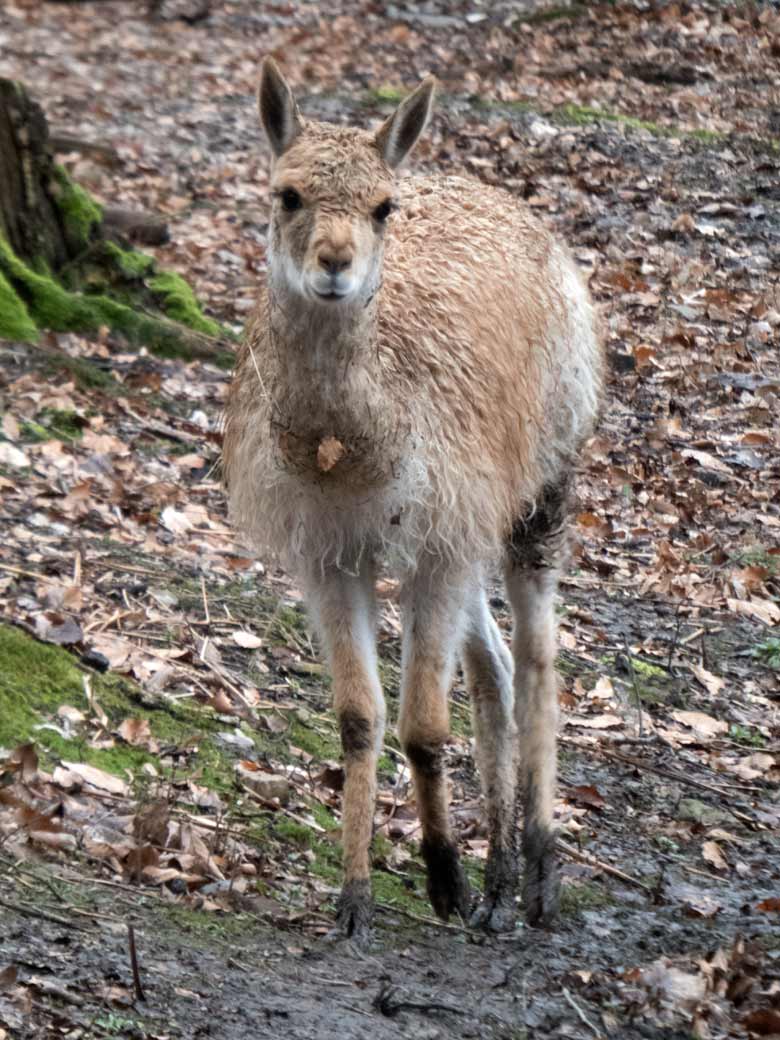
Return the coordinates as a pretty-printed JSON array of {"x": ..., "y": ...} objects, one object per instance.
[
  {"x": 634, "y": 683},
  {"x": 683, "y": 778},
  {"x": 461, "y": 929},
  {"x": 592, "y": 861},
  {"x": 139, "y": 991},
  {"x": 205, "y": 600},
  {"x": 30, "y": 911},
  {"x": 580, "y": 1013},
  {"x": 268, "y": 804}
]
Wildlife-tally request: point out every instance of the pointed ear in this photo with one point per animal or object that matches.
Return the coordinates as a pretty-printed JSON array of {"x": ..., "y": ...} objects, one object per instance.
[
  {"x": 399, "y": 134},
  {"x": 278, "y": 112}
]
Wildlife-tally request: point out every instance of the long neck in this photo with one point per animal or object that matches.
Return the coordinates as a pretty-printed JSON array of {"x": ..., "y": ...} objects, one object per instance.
[
  {"x": 329, "y": 383},
  {"x": 321, "y": 337}
]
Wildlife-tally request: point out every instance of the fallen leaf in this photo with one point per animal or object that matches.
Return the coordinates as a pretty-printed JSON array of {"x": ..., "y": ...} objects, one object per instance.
[
  {"x": 596, "y": 722},
  {"x": 329, "y": 452},
  {"x": 765, "y": 1022},
  {"x": 713, "y": 684},
  {"x": 136, "y": 732},
  {"x": 764, "y": 610},
  {"x": 703, "y": 725},
  {"x": 586, "y": 795},
  {"x": 711, "y": 852},
  {"x": 10, "y": 455},
  {"x": 248, "y": 640},
  {"x": 90, "y": 775}
]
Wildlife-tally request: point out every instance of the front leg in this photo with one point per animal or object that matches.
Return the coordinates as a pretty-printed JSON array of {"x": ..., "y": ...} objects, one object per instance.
[
  {"x": 344, "y": 609},
  {"x": 432, "y": 606}
]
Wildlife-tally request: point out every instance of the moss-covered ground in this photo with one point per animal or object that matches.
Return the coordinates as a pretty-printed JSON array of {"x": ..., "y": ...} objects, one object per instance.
[{"x": 105, "y": 285}]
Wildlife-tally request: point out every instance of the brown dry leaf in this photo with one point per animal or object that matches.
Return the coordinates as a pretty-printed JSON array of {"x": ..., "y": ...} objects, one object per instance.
[
  {"x": 191, "y": 461},
  {"x": 765, "y": 1022},
  {"x": 673, "y": 985},
  {"x": 222, "y": 704},
  {"x": 329, "y": 452},
  {"x": 586, "y": 795},
  {"x": 115, "y": 648},
  {"x": 706, "y": 460},
  {"x": 58, "y": 628},
  {"x": 136, "y": 732},
  {"x": 274, "y": 723},
  {"x": 10, "y": 427},
  {"x": 54, "y": 839},
  {"x": 713, "y": 684},
  {"x": 762, "y": 609},
  {"x": 89, "y": 775},
  {"x": 605, "y": 721},
  {"x": 150, "y": 825},
  {"x": 24, "y": 760},
  {"x": 712, "y": 853},
  {"x": 248, "y": 640},
  {"x": 8, "y": 977},
  {"x": 704, "y": 726},
  {"x": 769, "y": 906}
]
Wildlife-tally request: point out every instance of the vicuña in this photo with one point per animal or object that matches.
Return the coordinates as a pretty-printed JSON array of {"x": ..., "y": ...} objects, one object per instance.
[{"x": 413, "y": 391}]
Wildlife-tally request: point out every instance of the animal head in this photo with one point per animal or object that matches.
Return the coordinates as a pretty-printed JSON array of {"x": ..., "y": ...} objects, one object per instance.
[{"x": 332, "y": 194}]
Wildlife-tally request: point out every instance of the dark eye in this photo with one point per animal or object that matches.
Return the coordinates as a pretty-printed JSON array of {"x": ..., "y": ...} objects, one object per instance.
[
  {"x": 291, "y": 200},
  {"x": 383, "y": 210}
]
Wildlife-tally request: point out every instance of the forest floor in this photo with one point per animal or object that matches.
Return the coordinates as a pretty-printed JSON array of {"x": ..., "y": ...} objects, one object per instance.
[{"x": 171, "y": 768}]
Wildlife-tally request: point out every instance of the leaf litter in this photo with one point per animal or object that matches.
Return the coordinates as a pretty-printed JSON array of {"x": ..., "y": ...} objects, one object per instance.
[{"x": 645, "y": 136}]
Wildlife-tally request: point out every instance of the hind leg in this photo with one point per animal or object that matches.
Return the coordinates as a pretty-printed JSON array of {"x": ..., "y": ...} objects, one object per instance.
[
  {"x": 534, "y": 561},
  {"x": 488, "y": 668}
]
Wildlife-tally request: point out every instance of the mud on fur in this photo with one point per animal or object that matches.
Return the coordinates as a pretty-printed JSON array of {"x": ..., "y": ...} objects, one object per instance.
[{"x": 413, "y": 391}]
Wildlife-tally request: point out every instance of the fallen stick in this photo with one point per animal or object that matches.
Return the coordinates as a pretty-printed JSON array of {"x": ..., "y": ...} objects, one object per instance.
[
  {"x": 592, "y": 861},
  {"x": 139, "y": 992}
]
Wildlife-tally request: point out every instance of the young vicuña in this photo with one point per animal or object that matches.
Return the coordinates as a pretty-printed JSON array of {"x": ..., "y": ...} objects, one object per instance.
[{"x": 413, "y": 391}]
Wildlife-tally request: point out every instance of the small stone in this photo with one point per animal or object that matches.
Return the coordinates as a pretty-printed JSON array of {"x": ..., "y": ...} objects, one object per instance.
[
  {"x": 236, "y": 741},
  {"x": 269, "y": 786}
]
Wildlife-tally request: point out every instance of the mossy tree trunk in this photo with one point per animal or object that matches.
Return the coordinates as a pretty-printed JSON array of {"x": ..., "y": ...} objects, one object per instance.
[
  {"x": 30, "y": 219},
  {"x": 63, "y": 268}
]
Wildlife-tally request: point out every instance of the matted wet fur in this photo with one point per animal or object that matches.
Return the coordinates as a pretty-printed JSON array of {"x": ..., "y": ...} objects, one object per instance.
[{"x": 412, "y": 392}]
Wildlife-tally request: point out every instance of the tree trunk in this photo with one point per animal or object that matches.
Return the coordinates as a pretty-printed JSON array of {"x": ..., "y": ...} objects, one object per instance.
[
  {"x": 68, "y": 267},
  {"x": 30, "y": 219}
]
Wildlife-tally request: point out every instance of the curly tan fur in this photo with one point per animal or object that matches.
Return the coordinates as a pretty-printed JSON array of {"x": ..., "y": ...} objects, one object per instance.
[{"x": 411, "y": 393}]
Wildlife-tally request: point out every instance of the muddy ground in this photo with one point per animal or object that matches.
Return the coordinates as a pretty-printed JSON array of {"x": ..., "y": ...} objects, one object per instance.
[{"x": 648, "y": 135}]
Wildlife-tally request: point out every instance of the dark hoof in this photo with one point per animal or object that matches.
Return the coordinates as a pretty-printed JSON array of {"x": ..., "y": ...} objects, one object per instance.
[
  {"x": 354, "y": 913},
  {"x": 496, "y": 913},
  {"x": 541, "y": 884},
  {"x": 448, "y": 886}
]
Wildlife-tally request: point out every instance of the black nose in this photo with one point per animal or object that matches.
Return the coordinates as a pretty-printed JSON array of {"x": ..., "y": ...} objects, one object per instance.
[{"x": 333, "y": 264}]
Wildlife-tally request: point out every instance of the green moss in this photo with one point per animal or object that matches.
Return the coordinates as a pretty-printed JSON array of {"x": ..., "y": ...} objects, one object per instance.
[
  {"x": 293, "y": 833},
  {"x": 401, "y": 892},
  {"x": 179, "y": 303},
  {"x": 35, "y": 679},
  {"x": 585, "y": 895},
  {"x": 80, "y": 213},
  {"x": 386, "y": 95},
  {"x": 319, "y": 745},
  {"x": 53, "y": 424},
  {"x": 86, "y": 375},
  {"x": 131, "y": 263},
  {"x": 768, "y": 652},
  {"x": 584, "y": 115},
  {"x": 53, "y": 307},
  {"x": 15, "y": 321},
  {"x": 747, "y": 736}
]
